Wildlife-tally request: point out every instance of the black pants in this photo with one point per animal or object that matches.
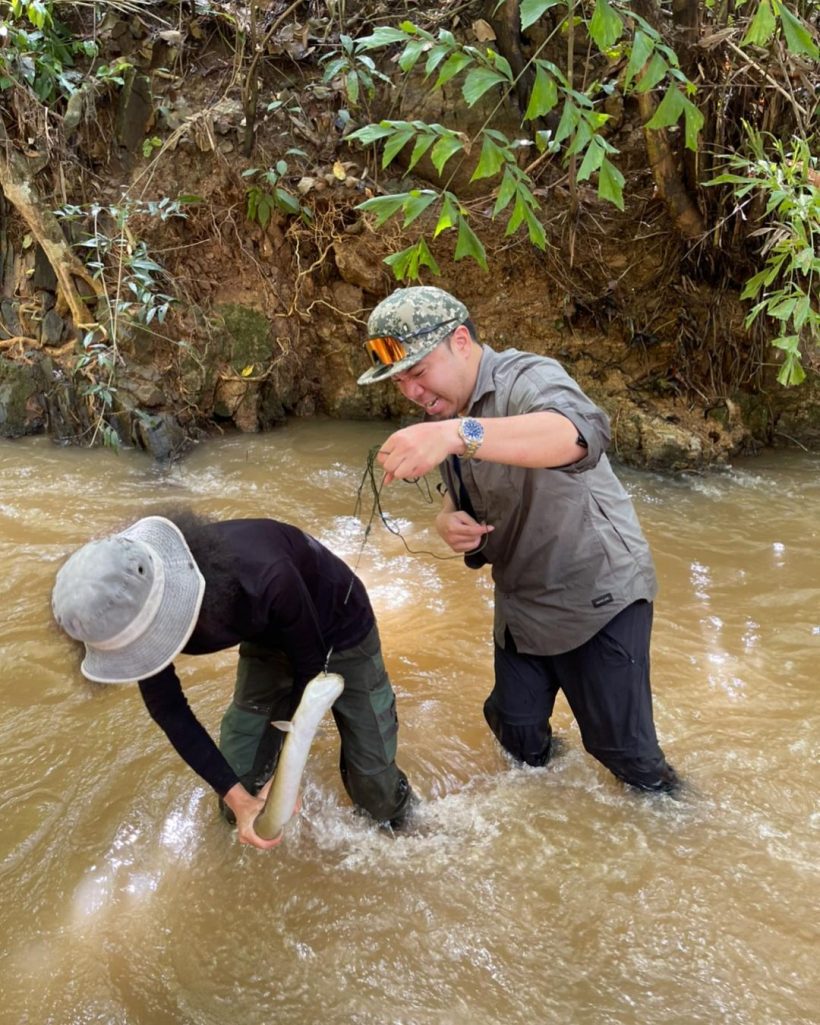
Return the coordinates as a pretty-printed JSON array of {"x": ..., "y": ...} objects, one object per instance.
[{"x": 605, "y": 682}]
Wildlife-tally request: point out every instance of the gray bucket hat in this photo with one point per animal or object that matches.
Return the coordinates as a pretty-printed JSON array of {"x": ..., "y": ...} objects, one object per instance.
[
  {"x": 133, "y": 599},
  {"x": 421, "y": 317}
]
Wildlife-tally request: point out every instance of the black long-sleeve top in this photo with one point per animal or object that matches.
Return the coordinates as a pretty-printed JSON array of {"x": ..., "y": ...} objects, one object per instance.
[{"x": 291, "y": 595}]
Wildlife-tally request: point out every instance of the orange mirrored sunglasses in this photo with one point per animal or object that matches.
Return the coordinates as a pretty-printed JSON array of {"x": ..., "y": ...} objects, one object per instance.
[{"x": 389, "y": 349}]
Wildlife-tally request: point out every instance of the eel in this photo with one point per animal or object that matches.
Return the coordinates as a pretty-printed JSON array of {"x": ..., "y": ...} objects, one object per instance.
[{"x": 317, "y": 697}]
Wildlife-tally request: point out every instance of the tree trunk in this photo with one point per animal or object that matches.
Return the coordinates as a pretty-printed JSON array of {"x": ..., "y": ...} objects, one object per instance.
[{"x": 671, "y": 187}]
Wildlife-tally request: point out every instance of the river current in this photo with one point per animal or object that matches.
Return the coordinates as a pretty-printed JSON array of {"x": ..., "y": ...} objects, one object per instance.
[{"x": 525, "y": 896}]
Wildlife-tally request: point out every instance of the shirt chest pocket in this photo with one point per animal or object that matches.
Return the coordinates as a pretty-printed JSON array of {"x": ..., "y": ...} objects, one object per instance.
[{"x": 493, "y": 490}]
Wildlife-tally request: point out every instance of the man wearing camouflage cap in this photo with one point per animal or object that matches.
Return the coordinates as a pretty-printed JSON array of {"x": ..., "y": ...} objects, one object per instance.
[{"x": 530, "y": 491}]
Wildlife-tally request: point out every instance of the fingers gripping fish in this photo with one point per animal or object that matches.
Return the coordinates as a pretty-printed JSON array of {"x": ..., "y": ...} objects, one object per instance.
[{"x": 317, "y": 697}]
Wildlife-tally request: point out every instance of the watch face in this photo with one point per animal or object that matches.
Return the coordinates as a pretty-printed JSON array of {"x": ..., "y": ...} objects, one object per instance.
[{"x": 473, "y": 431}]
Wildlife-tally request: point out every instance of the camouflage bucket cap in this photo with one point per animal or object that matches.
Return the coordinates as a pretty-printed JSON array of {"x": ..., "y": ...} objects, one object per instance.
[{"x": 421, "y": 317}]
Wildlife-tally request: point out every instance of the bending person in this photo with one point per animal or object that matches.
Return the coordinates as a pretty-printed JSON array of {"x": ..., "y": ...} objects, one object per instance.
[
  {"x": 530, "y": 491},
  {"x": 183, "y": 585}
]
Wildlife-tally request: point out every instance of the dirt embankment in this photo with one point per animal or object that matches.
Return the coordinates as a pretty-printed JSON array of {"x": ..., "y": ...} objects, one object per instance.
[{"x": 266, "y": 314}]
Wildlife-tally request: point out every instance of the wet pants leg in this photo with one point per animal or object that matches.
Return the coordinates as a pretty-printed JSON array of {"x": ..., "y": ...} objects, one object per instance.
[
  {"x": 365, "y": 715},
  {"x": 519, "y": 708},
  {"x": 606, "y": 683},
  {"x": 263, "y": 693}
]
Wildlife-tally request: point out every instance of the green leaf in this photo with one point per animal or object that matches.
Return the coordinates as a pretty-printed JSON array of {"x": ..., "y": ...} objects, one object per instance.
[
  {"x": 411, "y": 53},
  {"x": 263, "y": 208},
  {"x": 397, "y": 142},
  {"x": 417, "y": 203},
  {"x": 381, "y": 37},
  {"x": 384, "y": 206},
  {"x": 332, "y": 69},
  {"x": 544, "y": 95},
  {"x": 798, "y": 38},
  {"x": 669, "y": 110},
  {"x": 491, "y": 161},
  {"x": 449, "y": 214},
  {"x": 805, "y": 260},
  {"x": 469, "y": 244},
  {"x": 399, "y": 263},
  {"x": 286, "y": 202},
  {"x": 531, "y": 10},
  {"x": 544, "y": 141},
  {"x": 535, "y": 230},
  {"x": 501, "y": 63},
  {"x": 434, "y": 58},
  {"x": 454, "y": 64},
  {"x": 592, "y": 158},
  {"x": 406, "y": 264},
  {"x": 693, "y": 119},
  {"x": 762, "y": 27},
  {"x": 505, "y": 192},
  {"x": 655, "y": 71},
  {"x": 642, "y": 47},
  {"x": 517, "y": 216},
  {"x": 792, "y": 372},
  {"x": 352, "y": 87},
  {"x": 570, "y": 118},
  {"x": 611, "y": 184},
  {"x": 477, "y": 82},
  {"x": 423, "y": 143},
  {"x": 426, "y": 258},
  {"x": 370, "y": 133},
  {"x": 582, "y": 138},
  {"x": 783, "y": 308},
  {"x": 802, "y": 311},
  {"x": 731, "y": 179},
  {"x": 445, "y": 148},
  {"x": 605, "y": 26}
]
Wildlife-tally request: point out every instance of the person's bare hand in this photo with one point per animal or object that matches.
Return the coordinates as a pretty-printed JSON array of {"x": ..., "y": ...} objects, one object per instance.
[
  {"x": 460, "y": 531},
  {"x": 247, "y": 809},
  {"x": 414, "y": 451}
]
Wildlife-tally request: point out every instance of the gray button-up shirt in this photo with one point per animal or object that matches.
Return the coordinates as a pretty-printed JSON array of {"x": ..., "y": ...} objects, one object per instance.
[{"x": 567, "y": 551}]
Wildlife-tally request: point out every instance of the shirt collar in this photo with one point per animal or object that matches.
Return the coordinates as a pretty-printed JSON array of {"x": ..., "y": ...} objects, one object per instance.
[{"x": 484, "y": 383}]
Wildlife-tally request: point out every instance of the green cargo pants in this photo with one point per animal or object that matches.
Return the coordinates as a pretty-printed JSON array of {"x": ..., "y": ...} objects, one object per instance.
[{"x": 365, "y": 715}]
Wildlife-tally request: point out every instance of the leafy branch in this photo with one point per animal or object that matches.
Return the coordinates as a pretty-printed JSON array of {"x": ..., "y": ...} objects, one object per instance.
[
  {"x": 578, "y": 135},
  {"x": 787, "y": 289}
]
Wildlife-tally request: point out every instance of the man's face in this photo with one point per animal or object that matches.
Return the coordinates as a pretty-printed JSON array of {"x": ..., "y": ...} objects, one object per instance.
[{"x": 437, "y": 383}]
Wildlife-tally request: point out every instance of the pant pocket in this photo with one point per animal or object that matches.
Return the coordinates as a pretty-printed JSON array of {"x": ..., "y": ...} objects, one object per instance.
[{"x": 250, "y": 745}]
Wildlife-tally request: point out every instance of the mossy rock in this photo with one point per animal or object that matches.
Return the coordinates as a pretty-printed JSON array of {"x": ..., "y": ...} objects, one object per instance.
[
  {"x": 21, "y": 407},
  {"x": 247, "y": 338}
]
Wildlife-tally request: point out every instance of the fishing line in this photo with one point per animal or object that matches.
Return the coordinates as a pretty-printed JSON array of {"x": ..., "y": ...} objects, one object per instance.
[
  {"x": 369, "y": 476},
  {"x": 421, "y": 484}
]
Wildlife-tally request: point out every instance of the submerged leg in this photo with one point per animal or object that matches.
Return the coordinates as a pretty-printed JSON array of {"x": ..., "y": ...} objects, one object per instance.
[
  {"x": 519, "y": 707},
  {"x": 606, "y": 682},
  {"x": 365, "y": 715}
]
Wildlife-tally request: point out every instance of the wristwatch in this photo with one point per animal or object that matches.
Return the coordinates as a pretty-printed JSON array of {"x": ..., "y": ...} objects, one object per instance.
[{"x": 472, "y": 434}]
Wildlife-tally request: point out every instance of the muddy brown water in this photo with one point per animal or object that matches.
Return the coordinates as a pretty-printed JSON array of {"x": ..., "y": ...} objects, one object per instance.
[{"x": 527, "y": 896}]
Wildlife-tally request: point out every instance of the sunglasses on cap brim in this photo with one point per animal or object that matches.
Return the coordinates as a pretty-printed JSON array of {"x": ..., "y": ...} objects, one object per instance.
[{"x": 385, "y": 350}]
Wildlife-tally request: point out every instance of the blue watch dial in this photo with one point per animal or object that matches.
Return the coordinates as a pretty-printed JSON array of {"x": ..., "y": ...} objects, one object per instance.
[{"x": 472, "y": 430}]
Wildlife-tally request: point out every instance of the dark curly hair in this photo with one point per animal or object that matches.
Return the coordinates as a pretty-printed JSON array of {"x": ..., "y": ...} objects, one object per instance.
[{"x": 212, "y": 556}]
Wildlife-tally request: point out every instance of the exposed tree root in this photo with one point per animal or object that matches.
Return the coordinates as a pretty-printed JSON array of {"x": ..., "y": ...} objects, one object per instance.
[{"x": 19, "y": 189}]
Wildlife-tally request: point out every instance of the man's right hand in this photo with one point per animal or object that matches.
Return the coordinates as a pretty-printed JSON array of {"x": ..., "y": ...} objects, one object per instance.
[{"x": 460, "y": 531}]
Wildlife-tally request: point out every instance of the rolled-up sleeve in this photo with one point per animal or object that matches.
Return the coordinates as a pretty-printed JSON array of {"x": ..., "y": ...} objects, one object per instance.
[{"x": 538, "y": 390}]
